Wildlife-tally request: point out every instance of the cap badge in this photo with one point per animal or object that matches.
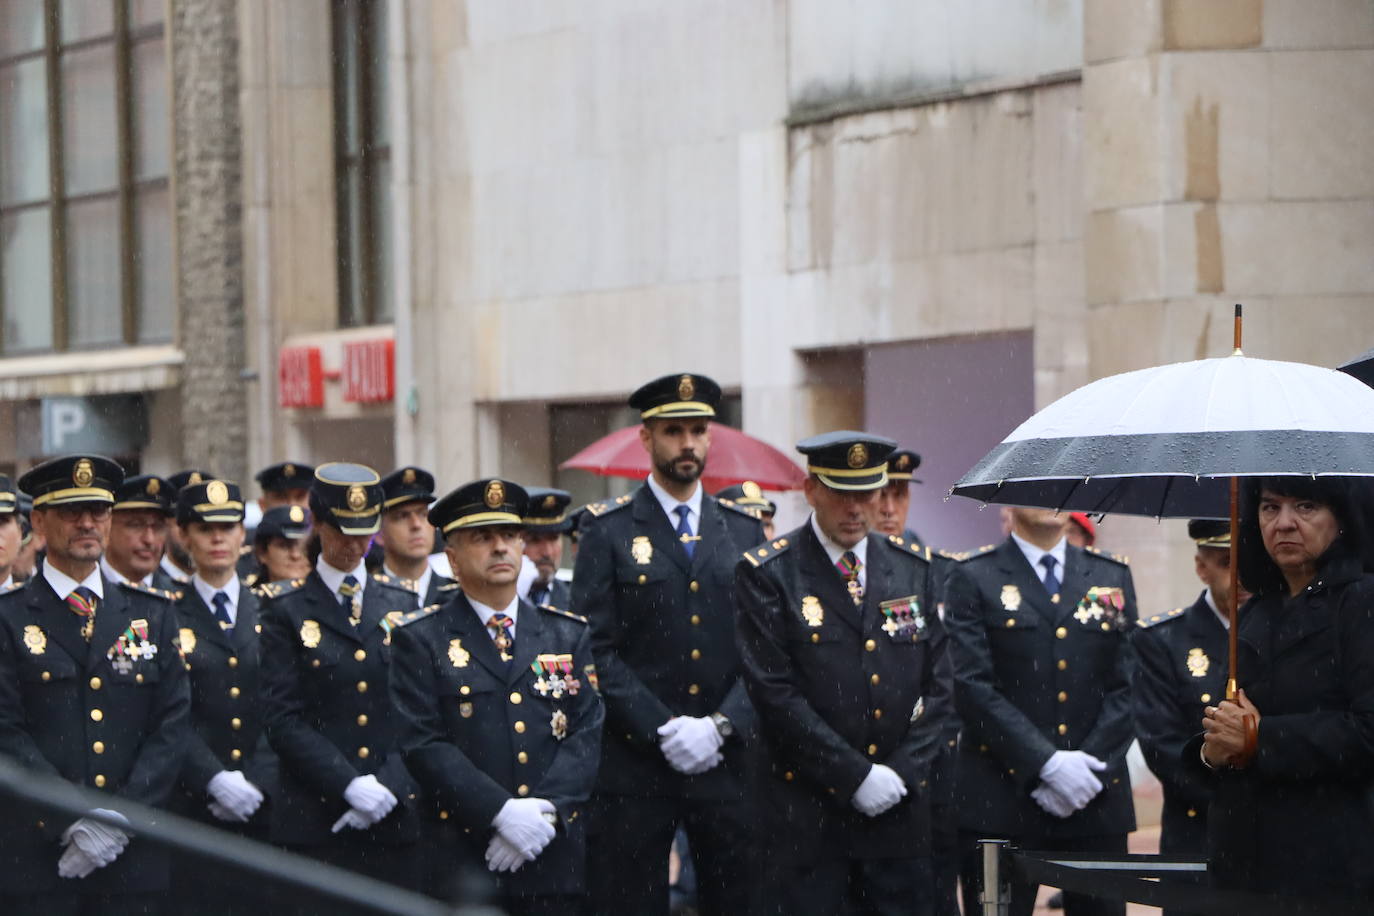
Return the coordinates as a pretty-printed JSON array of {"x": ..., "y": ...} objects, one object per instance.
[
  {"x": 217, "y": 493},
  {"x": 686, "y": 388},
  {"x": 357, "y": 498},
  {"x": 153, "y": 487},
  {"x": 408, "y": 476},
  {"x": 858, "y": 455},
  {"x": 289, "y": 470},
  {"x": 903, "y": 462},
  {"x": 495, "y": 495},
  {"x": 297, "y": 514},
  {"x": 1198, "y": 662},
  {"x": 642, "y": 550},
  {"x": 550, "y": 501},
  {"x": 751, "y": 490},
  {"x": 194, "y": 478},
  {"x": 83, "y": 474},
  {"x": 812, "y": 611}
]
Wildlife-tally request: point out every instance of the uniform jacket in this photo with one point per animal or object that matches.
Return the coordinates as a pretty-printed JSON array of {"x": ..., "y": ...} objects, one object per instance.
[
  {"x": 477, "y": 731},
  {"x": 836, "y": 693},
  {"x": 662, "y": 630},
  {"x": 1300, "y": 818},
  {"x": 1180, "y": 669},
  {"x": 70, "y": 710},
  {"x": 165, "y": 581},
  {"x": 327, "y": 710},
  {"x": 1033, "y": 677}
]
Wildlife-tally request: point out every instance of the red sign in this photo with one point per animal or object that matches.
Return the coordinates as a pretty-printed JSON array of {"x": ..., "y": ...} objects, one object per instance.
[
  {"x": 300, "y": 377},
  {"x": 369, "y": 371}
]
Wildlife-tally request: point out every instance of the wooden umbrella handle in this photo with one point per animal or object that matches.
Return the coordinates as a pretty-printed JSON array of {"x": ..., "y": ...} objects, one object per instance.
[{"x": 1251, "y": 741}]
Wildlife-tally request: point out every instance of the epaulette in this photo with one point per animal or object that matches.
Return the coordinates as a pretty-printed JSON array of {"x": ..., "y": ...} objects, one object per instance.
[
  {"x": 279, "y": 588},
  {"x": 251, "y": 581},
  {"x": 562, "y": 613},
  {"x": 980, "y": 552},
  {"x": 742, "y": 510},
  {"x": 448, "y": 586},
  {"x": 607, "y": 506},
  {"x": 766, "y": 551},
  {"x": 245, "y": 550},
  {"x": 1114, "y": 557},
  {"x": 911, "y": 547},
  {"x": 413, "y": 616},
  {"x": 12, "y": 587},
  {"x": 1156, "y": 619},
  {"x": 957, "y": 556},
  {"x": 404, "y": 584},
  {"x": 150, "y": 590}
]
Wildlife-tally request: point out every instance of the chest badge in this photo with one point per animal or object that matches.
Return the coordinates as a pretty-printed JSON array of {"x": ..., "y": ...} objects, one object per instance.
[
  {"x": 457, "y": 655},
  {"x": 465, "y": 710},
  {"x": 188, "y": 640},
  {"x": 310, "y": 633},
  {"x": 35, "y": 640},
  {"x": 1198, "y": 663},
  {"x": 558, "y": 724},
  {"x": 812, "y": 611},
  {"x": 642, "y": 550},
  {"x": 1011, "y": 597}
]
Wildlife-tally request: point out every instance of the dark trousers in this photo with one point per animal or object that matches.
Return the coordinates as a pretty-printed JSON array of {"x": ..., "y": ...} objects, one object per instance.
[
  {"x": 944, "y": 860},
  {"x": 848, "y": 887},
  {"x": 1022, "y": 892},
  {"x": 627, "y": 853}
]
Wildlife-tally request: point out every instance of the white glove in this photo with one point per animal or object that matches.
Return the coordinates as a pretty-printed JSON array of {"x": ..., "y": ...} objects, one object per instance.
[
  {"x": 75, "y": 863},
  {"x": 97, "y": 842},
  {"x": 690, "y": 743},
  {"x": 881, "y": 789},
  {"x": 235, "y": 795},
  {"x": 502, "y": 856},
  {"x": 351, "y": 818},
  {"x": 522, "y": 823},
  {"x": 1051, "y": 802},
  {"x": 1070, "y": 773},
  {"x": 369, "y": 797}
]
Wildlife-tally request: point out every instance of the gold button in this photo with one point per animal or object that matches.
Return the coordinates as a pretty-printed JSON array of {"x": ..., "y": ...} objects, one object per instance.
[
  {"x": 99, "y": 781},
  {"x": 314, "y": 663},
  {"x": 522, "y": 791},
  {"x": 362, "y": 686},
  {"x": 1063, "y": 664},
  {"x": 517, "y": 699},
  {"x": 519, "y": 727},
  {"x": 96, "y": 715},
  {"x": 47, "y": 675},
  {"x": 138, "y": 679},
  {"x": 953, "y": 742},
  {"x": 188, "y": 667},
  {"x": 95, "y": 683},
  {"x": 360, "y": 655},
  {"x": 41, "y": 825},
  {"x": 643, "y": 578},
  {"x": 983, "y": 748},
  {"x": 234, "y": 661},
  {"x": 1106, "y": 627},
  {"x": 923, "y": 783},
  {"x": 1011, "y": 772},
  {"x": 877, "y": 713},
  {"x": 1206, "y": 698},
  {"x": 363, "y": 752},
  {"x": 870, "y": 645},
  {"x": 694, "y": 585},
  {"x": 98, "y": 747},
  {"x": 1063, "y": 729},
  {"x": 815, "y": 637},
  {"x": 236, "y": 754},
  {"x": 443, "y": 815},
  {"x": 1192, "y": 812},
  {"x": 522, "y": 757},
  {"x": 694, "y": 689},
  {"x": 362, "y": 719},
  {"x": 696, "y": 654},
  {"x": 1011, "y": 621},
  {"x": 696, "y": 620},
  {"x": 465, "y": 690},
  {"x": 236, "y": 723},
  {"x": 234, "y": 692},
  {"x": 788, "y": 776},
  {"x": 1061, "y": 632},
  {"x": 1063, "y": 697},
  {"x": 1116, "y": 781},
  {"x": 872, "y": 749},
  {"x": 874, "y": 680}
]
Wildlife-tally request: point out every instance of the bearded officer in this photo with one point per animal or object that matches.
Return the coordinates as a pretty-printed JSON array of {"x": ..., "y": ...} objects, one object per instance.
[
  {"x": 92, "y": 690},
  {"x": 653, "y": 574},
  {"x": 501, "y": 723},
  {"x": 548, "y": 520},
  {"x": 1042, "y": 663},
  {"x": 407, "y": 536},
  {"x": 845, "y": 660}
]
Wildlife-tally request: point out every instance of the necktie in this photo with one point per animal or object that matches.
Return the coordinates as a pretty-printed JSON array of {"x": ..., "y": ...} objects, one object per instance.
[
  {"x": 1051, "y": 580},
  {"x": 83, "y": 603},
  {"x": 849, "y": 567},
  {"x": 221, "y": 601},
  {"x": 537, "y": 593},
  {"x": 684, "y": 531},
  {"x": 350, "y": 597},
  {"x": 500, "y": 626}
]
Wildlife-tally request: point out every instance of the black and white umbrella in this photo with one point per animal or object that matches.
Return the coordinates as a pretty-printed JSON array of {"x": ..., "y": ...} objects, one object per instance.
[{"x": 1362, "y": 367}]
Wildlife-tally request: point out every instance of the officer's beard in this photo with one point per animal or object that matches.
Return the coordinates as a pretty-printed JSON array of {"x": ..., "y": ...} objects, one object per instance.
[{"x": 682, "y": 468}]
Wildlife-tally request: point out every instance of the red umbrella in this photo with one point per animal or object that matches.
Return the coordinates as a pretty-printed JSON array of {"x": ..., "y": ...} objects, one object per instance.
[{"x": 734, "y": 458}]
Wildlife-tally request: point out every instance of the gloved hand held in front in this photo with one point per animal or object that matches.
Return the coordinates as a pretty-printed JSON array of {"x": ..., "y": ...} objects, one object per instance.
[
  {"x": 95, "y": 845},
  {"x": 352, "y": 818},
  {"x": 691, "y": 744},
  {"x": 233, "y": 795},
  {"x": 502, "y": 856},
  {"x": 1051, "y": 802},
  {"x": 521, "y": 822},
  {"x": 881, "y": 789},
  {"x": 369, "y": 797},
  {"x": 1070, "y": 773}
]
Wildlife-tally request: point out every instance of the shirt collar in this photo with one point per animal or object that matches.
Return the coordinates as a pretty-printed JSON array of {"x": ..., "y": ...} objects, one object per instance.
[
  {"x": 333, "y": 578},
  {"x": 207, "y": 592},
  {"x": 669, "y": 502},
  {"x": 1212, "y": 603},
  {"x": 1033, "y": 555},
  {"x": 835, "y": 551},
  {"x": 64, "y": 584},
  {"x": 484, "y": 613},
  {"x": 114, "y": 575},
  {"x": 171, "y": 569}
]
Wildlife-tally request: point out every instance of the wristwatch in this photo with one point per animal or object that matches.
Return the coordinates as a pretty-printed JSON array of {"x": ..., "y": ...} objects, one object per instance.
[{"x": 723, "y": 725}]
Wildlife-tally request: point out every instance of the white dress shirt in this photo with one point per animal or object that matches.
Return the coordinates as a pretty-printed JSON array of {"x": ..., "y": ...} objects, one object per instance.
[
  {"x": 207, "y": 594},
  {"x": 669, "y": 502},
  {"x": 333, "y": 578},
  {"x": 1033, "y": 555},
  {"x": 835, "y": 551},
  {"x": 485, "y": 613},
  {"x": 64, "y": 584}
]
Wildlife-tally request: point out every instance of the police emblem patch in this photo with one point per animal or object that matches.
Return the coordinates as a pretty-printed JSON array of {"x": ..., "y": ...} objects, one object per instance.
[
  {"x": 35, "y": 640},
  {"x": 357, "y": 498},
  {"x": 1198, "y": 662},
  {"x": 495, "y": 494},
  {"x": 858, "y": 455},
  {"x": 310, "y": 633},
  {"x": 83, "y": 474}
]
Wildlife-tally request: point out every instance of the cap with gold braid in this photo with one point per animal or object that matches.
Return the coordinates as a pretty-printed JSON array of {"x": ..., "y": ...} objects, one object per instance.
[
  {"x": 750, "y": 495},
  {"x": 284, "y": 477},
  {"x": 347, "y": 496},
  {"x": 209, "y": 501},
  {"x": 902, "y": 465},
  {"x": 290, "y": 522},
  {"x": 848, "y": 460},
  {"x": 72, "y": 479},
  {"x": 679, "y": 395},
  {"x": 9, "y": 496},
  {"x": 548, "y": 511},
  {"x": 146, "y": 492},
  {"x": 185, "y": 478},
  {"x": 490, "y": 501},
  {"x": 407, "y": 485},
  {"x": 1209, "y": 532}
]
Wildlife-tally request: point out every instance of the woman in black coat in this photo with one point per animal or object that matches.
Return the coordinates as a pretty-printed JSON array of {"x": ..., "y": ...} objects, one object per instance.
[{"x": 1294, "y": 814}]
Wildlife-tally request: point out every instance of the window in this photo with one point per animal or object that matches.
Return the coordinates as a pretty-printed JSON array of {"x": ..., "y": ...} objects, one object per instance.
[
  {"x": 362, "y": 152},
  {"x": 85, "y": 214}
]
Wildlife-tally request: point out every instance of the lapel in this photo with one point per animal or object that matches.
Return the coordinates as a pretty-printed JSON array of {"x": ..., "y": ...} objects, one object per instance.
[
  {"x": 202, "y": 620},
  {"x": 529, "y": 627},
  {"x": 111, "y": 620},
  {"x": 1204, "y": 628},
  {"x": 321, "y": 605},
  {"x": 821, "y": 578},
  {"x": 54, "y": 614},
  {"x": 652, "y": 520},
  {"x": 1075, "y": 583},
  {"x": 246, "y": 623},
  {"x": 463, "y": 623},
  {"x": 712, "y": 533},
  {"x": 1017, "y": 571}
]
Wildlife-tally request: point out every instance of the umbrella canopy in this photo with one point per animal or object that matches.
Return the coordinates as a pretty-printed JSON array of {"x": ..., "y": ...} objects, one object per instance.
[
  {"x": 734, "y": 458},
  {"x": 1164, "y": 441},
  {"x": 1362, "y": 367}
]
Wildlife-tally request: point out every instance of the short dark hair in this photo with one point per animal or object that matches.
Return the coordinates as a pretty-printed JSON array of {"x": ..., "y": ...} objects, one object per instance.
[{"x": 1347, "y": 498}]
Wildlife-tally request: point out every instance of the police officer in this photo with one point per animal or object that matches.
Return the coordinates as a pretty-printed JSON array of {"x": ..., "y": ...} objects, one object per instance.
[
  {"x": 92, "y": 690},
  {"x": 501, "y": 720},
  {"x": 175, "y": 569},
  {"x": 894, "y": 501},
  {"x": 1180, "y": 670},
  {"x": 11, "y": 532},
  {"x": 750, "y": 496},
  {"x": 1039, "y": 632},
  {"x": 284, "y": 484},
  {"x": 138, "y": 530},
  {"x": 345, "y": 795},
  {"x": 407, "y": 536},
  {"x": 545, "y": 524},
  {"x": 279, "y": 546},
  {"x": 653, "y": 574},
  {"x": 846, "y": 663}
]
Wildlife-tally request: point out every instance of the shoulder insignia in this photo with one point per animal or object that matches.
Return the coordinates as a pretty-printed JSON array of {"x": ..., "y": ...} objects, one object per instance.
[
  {"x": 980, "y": 552},
  {"x": 150, "y": 590},
  {"x": 11, "y": 588},
  {"x": 404, "y": 584},
  {"x": 413, "y": 616},
  {"x": 910, "y": 547},
  {"x": 1114, "y": 557},
  {"x": 279, "y": 588},
  {"x": 607, "y": 506},
  {"x": 736, "y": 507},
  {"x": 448, "y": 586},
  {"x": 766, "y": 551},
  {"x": 957, "y": 556},
  {"x": 245, "y": 550},
  {"x": 1155, "y": 620},
  {"x": 562, "y": 613}
]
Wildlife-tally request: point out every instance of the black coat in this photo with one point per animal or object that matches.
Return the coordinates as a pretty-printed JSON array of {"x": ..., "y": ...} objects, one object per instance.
[
  {"x": 651, "y": 611},
  {"x": 441, "y": 589},
  {"x": 327, "y": 710},
  {"x": 477, "y": 732},
  {"x": 1300, "y": 818},
  {"x": 67, "y": 710},
  {"x": 1034, "y": 680},
  {"x": 836, "y": 693},
  {"x": 1180, "y": 668}
]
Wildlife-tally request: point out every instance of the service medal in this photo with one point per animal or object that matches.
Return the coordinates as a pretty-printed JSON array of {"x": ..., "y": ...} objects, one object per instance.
[
  {"x": 812, "y": 611},
  {"x": 465, "y": 710},
  {"x": 1198, "y": 663},
  {"x": 310, "y": 633},
  {"x": 919, "y": 709},
  {"x": 35, "y": 640},
  {"x": 457, "y": 655},
  {"x": 188, "y": 640},
  {"x": 589, "y": 672},
  {"x": 642, "y": 550},
  {"x": 1011, "y": 598},
  {"x": 559, "y": 724}
]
